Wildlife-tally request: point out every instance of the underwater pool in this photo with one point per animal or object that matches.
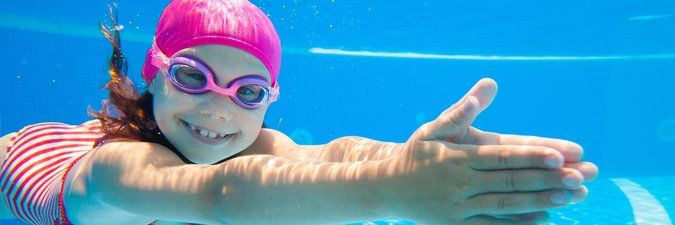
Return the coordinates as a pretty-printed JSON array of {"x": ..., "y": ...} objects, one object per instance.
[{"x": 600, "y": 73}]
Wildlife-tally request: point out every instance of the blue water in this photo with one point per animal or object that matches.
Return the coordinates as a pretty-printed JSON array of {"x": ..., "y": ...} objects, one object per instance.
[{"x": 609, "y": 87}]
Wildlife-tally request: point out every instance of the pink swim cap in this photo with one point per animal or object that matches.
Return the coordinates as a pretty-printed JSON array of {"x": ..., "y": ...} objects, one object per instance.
[{"x": 235, "y": 23}]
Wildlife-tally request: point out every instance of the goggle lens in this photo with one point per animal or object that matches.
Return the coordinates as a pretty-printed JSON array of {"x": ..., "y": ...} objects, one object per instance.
[
  {"x": 251, "y": 94},
  {"x": 188, "y": 77}
]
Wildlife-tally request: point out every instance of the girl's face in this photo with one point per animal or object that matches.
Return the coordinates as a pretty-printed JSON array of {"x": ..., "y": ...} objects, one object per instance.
[{"x": 209, "y": 127}]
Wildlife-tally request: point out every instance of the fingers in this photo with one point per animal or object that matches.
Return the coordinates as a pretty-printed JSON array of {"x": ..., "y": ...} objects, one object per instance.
[
  {"x": 535, "y": 216},
  {"x": 497, "y": 157},
  {"x": 517, "y": 202},
  {"x": 451, "y": 126},
  {"x": 579, "y": 195},
  {"x": 529, "y": 218},
  {"x": 573, "y": 152},
  {"x": 484, "y": 90},
  {"x": 589, "y": 170},
  {"x": 526, "y": 180}
]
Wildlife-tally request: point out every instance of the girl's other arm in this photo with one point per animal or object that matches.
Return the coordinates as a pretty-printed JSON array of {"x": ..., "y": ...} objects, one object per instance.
[
  {"x": 453, "y": 125},
  {"x": 344, "y": 149}
]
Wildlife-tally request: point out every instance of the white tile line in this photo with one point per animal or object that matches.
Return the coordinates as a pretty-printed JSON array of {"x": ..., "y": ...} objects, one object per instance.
[{"x": 647, "y": 210}]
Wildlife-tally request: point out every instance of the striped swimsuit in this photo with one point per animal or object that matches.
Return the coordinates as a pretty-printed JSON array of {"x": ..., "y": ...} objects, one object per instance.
[{"x": 37, "y": 161}]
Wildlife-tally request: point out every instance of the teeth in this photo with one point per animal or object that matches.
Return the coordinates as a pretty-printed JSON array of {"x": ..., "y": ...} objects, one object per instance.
[{"x": 206, "y": 133}]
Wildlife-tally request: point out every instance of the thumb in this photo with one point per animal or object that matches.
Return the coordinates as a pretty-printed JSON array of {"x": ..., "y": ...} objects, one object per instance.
[
  {"x": 453, "y": 124},
  {"x": 485, "y": 90}
]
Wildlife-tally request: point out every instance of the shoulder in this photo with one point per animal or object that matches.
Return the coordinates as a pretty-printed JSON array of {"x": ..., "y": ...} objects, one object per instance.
[
  {"x": 109, "y": 167},
  {"x": 273, "y": 142},
  {"x": 275, "y": 136},
  {"x": 269, "y": 141},
  {"x": 126, "y": 152},
  {"x": 4, "y": 142},
  {"x": 116, "y": 157},
  {"x": 42, "y": 139},
  {"x": 54, "y": 132}
]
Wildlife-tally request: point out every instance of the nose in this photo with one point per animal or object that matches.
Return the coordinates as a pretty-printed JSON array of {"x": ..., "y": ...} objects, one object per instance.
[{"x": 217, "y": 107}]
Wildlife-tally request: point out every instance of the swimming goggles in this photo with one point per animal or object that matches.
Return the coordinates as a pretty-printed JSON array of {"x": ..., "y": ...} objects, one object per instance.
[{"x": 192, "y": 76}]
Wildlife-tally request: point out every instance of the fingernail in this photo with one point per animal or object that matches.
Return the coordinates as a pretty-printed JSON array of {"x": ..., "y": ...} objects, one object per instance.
[
  {"x": 575, "y": 201},
  {"x": 552, "y": 161},
  {"x": 559, "y": 198},
  {"x": 570, "y": 181}
]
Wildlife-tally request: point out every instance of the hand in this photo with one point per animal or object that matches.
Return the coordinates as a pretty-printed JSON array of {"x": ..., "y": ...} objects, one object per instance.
[
  {"x": 454, "y": 125},
  {"x": 439, "y": 182}
]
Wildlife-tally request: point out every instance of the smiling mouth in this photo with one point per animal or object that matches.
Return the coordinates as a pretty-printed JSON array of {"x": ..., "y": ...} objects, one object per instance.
[{"x": 207, "y": 136}]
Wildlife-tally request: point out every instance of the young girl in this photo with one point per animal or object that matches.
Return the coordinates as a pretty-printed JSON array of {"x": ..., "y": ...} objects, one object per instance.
[{"x": 191, "y": 148}]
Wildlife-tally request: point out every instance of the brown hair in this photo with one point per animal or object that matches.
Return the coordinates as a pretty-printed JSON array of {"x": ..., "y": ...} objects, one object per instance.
[{"x": 126, "y": 114}]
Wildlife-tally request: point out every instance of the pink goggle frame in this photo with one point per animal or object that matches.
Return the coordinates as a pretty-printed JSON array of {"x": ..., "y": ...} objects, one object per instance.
[{"x": 248, "y": 91}]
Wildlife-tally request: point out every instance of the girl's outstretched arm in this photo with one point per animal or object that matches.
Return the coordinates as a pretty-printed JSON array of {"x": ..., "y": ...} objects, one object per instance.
[{"x": 137, "y": 183}]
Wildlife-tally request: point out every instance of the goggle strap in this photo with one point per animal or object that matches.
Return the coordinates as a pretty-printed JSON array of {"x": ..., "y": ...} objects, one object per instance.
[{"x": 159, "y": 60}]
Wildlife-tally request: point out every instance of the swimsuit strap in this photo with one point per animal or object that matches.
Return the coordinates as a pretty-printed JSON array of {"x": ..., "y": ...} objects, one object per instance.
[{"x": 62, "y": 208}]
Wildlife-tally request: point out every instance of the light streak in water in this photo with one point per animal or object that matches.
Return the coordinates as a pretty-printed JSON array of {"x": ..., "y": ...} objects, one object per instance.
[
  {"x": 647, "y": 210},
  {"x": 413, "y": 55},
  {"x": 650, "y": 17},
  {"x": 11, "y": 21}
]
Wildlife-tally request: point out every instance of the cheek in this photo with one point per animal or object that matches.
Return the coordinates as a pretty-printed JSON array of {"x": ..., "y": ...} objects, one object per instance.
[
  {"x": 163, "y": 116},
  {"x": 161, "y": 113},
  {"x": 251, "y": 123},
  {"x": 168, "y": 104}
]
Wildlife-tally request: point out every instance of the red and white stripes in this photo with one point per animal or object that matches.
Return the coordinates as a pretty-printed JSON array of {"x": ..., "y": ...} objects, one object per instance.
[{"x": 36, "y": 160}]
